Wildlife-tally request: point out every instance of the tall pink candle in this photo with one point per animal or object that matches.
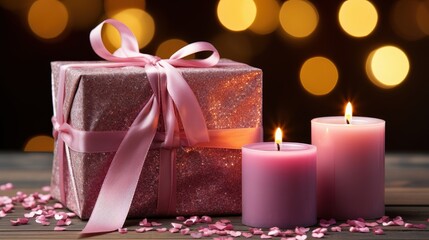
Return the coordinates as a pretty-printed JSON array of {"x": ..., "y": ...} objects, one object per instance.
[
  {"x": 350, "y": 167},
  {"x": 279, "y": 187}
]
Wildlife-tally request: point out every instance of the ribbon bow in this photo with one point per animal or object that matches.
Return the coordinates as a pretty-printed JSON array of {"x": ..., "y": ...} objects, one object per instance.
[{"x": 170, "y": 93}]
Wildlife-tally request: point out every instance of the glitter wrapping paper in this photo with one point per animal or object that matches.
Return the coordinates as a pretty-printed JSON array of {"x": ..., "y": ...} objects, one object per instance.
[{"x": 109, "y": 99}]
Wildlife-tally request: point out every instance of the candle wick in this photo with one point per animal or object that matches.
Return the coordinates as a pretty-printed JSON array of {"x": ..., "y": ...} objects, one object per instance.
[
  {"x": 347, "y": 121},
  {"x": 278, "y": 147}
]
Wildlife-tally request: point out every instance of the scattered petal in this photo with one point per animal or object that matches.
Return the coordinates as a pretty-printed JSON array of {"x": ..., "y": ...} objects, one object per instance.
[
  {"x": 301, "y": 230},
  {"x": 234, "y": 233},
  {"x": 383, "y": 219},
  {"x": 46, "y": 188},
  {"x": 61, "y": 216},
  {"x": 288, "y": 232},
  {"x": 317, "y": 234},
  {"x": 206, "y": 219},
  {"x": 196, "y": 235},
  {"x": 256, "y": 231},
  {"x": 359, "y": 229},
  {"x": 378, "y": 231},
  {"x": 389, "y": 223},
  {"x": 145, "y": 223},
  {"x": 2, "y": 214},
  {"x": 398, "y": 221},
  {"x": 58, "y": 206},
  {"x": 226, "y": 221},
  {"x": 7, "y": 186},
  {"x": 327, "y": 223},
  {"x": 156, "y": 224},
  {"x": 15, "y": 222},
  {"x": 185, "y": 231},
  {"x": 176, "y": 225},
  {"x": 336, "y": 229},
  {"x": 144, "y": 229},
  {"x": 274, "y": 232},
  {"x": 265, "y": 236},
  {"x": 173, "y": 230},
  {"x": 71, "y": 214},
  {"x": 122, "y": 230},
  {"x": 59, "y": 228},
  {"x": 247, "y": 235},
  {"x": 371, "y": 224},
  {"x": 180, "y": 218},
  {"x": 356, "y": 223},
  {"x": 418, "y": 226},
  {"x": 301, "y": 237}
]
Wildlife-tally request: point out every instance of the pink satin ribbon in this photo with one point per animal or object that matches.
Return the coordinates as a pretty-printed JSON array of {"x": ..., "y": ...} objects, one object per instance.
[{"x": 171, "y": 94}]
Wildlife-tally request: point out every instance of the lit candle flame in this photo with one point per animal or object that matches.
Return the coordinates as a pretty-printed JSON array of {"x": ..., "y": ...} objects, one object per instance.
[
  {"x": 278, "y": 138},
  {"x": 348, "y": 114}
]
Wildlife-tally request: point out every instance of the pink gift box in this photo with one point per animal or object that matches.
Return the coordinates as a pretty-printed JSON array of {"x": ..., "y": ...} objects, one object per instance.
[{"x": 208, "y": 179}]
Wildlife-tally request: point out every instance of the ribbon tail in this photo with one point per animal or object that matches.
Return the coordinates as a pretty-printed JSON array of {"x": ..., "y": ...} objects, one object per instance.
[
  {"x": 117, "y": 192},
  {"x": 167, "y": 182},
  {"x": 61, "y": 158}
]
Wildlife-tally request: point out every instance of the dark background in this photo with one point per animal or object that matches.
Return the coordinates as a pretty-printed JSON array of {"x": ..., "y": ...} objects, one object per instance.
[{"x": 25, "y": 90}]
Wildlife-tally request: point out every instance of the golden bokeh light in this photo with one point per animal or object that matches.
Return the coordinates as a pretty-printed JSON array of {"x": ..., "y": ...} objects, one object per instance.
[
  {"x": 111, "y": 7},
  {"x": 404, "y": 19},
  {"x": 40, "y": 143},
  {"x": 298, "y": 18},
  {"x": 137, "y": 20},
  {"x": 318, "y": 75},
  {"x": 266, "y": 20},
  {"x": 236, "y": 15},
  {"x": 168, "y": 47},
  {"x": 358, "y": 18},
  {"x": 84, "y": 14},
  {"x": 423, "y": 16},
  {"x": 387, "y": 66},
  {"x": 48, "y": 18}
]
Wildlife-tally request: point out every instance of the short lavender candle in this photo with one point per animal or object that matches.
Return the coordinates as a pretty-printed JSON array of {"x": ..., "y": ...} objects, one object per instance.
[{"x": 279, "y": 186}]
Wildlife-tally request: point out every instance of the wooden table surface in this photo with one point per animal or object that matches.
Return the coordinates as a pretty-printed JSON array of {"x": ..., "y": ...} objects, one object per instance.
[{"x": 407, "y": 195}]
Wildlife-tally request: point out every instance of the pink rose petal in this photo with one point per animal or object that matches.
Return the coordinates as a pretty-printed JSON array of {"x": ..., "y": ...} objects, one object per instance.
[
  {"x": 378, "y": 231},
  {"x": 336, "y": 229},
  {"x": 156, "y": 224},
  {"x": 288, "y": 232},
  {"x": 7, "y": 186},
  {"x": 398, "y": 221},
  {"x": 356, "y": 223},
  {"x": 389, "y": 223},
  {"x": 180, "y": 218},
  {"x": 371, "y": 224},
  {"x": 196, "y": 235},
  {"x": 301, "y": 237},
  {"x": 218, "y": 232},
  {"x": 274, "y": 232},
  {"x": 60, "y": 216},
  {"x": 317, "y": 234},
  {"x": 122, "y": 230},
  {"x": 246, "y": 235},
  {"x": 301, "y": 230},
  {"x": 161, "y": 229},
  {"x": 256, "y": 231},
  {"x": 176, "y": 225},
  {"x": 327, "y": 223},
  {"x": 144, "y": 229},
  {"x": 58, "y": 206},
  {"x": 265, "y": 236},
  {"x": 173, "y": 230},
  {"x": 226, "y": 221},
  {"x": 418, "y": 226},
  {"x": 15, "y": 222},
  {"x": 234, "y": 233},
  {"x": 320, "y": 230},
  {"x": 206, "y": 219},
  {"x": 2, "y": 214},
  {"x": 59, "y": 228},
  {"x": 70, "y": 214},
  {"x": 145, "y": 223},
  {"x": 383, "y": 219},
  {"x": 185, "y": 231}
]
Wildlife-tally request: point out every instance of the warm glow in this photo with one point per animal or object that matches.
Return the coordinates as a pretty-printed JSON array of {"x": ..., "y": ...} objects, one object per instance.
[
  {"x": 139, "y": 22},
  {"x": 40, "y": 143},
  {"x": 167, "y": 48},
  {"x": 348, "y": 113},
  {"x": 236, "y": 15},
  {"x": 318, "y": 75},
  {"x": 405, "y": 19},
  {"x": 423, "y": 16},
  {"x": 111, "y": 7},
  {"x": 358, "y": 17},
  {"x": 266, "y": 20},
  {"x": 298, "y": 18},
  {"x": 84, "y": 14},
  {"x": 278, "y": 136},
  {"x": 387, "y": 66},
  {"x": 48, "y": 18}
]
